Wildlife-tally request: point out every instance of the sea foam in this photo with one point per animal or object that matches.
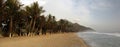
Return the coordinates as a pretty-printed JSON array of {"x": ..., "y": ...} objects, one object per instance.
[{"x": 113, "y": 34}]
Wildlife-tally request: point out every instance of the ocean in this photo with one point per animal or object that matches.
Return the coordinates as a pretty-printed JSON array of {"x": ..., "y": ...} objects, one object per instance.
[{"x": 100, "y": 39}]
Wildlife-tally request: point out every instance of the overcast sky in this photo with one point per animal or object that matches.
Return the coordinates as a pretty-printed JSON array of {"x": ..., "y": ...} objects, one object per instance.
[{"x": 98, "y": 14}]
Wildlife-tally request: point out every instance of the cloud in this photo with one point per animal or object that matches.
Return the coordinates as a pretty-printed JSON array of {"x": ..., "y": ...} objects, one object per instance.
[
  {"x": 75, "y": 11},
  {"x": 101, "y": 4},
  {"x": 66, "y": 9},
  {"x": 91, "y": 13},
  {"x": 83, "y": 13},
  {"x": 59, "y": 8},
  {"x": 42, "y": 2},
  {"x": 26, "y": 2}
]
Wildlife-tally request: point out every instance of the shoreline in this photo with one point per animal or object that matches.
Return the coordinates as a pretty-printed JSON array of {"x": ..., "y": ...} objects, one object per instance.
[{"x": 49, "y": 40}]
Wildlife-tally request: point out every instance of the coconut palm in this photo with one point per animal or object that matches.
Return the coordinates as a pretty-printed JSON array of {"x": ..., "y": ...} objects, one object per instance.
[
  {"x": 21, "y": 22},
  {"x": 62, "y": 25},
  {"x": 34, "y": 12},
  {"x": 13, "y": 7},
  {"x": 54, "y": 24},
  {"x": 48, "y": 23}
]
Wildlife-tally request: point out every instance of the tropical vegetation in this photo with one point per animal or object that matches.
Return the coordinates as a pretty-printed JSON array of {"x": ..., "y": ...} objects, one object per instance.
[{"x": 16, "y": 20}]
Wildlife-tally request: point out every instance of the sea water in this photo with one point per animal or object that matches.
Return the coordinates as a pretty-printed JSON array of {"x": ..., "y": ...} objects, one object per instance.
[{"x": 97, "y": 39}]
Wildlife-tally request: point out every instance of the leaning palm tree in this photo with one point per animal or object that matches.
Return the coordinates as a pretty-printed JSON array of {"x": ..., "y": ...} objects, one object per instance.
[
  {"x": 41, "y": 24},
  {"x": 21, "y": 22},
  {"x": 34, "y": 12}
]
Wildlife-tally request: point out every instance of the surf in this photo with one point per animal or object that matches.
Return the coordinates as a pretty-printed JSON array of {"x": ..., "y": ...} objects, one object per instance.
[{"x": 101, "y": 33}]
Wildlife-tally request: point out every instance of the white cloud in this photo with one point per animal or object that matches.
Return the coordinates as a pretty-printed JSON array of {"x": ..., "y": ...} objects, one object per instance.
[
  {"x": 42, "y": 2},
  {"x": 66, "y": 9},
  {"x": 60, "y": 8},
  {"x": 100, "y": 4},
  {"x": 26, "y": 2},
  {"x": 82, "y": 11}
]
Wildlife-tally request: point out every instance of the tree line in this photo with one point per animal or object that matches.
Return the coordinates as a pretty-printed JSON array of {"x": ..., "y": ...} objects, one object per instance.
[{"x": 18, "y": 20}]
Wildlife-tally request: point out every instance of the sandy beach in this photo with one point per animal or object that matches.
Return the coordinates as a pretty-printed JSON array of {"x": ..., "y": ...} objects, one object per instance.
[{"x": 53, "y": 40}]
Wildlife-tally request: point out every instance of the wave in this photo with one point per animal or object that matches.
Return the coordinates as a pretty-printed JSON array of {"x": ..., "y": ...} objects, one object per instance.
[{"x": 113, "y": 34}]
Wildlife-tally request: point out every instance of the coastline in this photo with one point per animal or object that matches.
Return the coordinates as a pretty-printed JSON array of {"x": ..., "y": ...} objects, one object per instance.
[{"x": 49, "y": 40}]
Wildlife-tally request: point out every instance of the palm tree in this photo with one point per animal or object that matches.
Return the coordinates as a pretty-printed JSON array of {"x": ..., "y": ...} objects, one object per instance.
[
  {"x": 3, "y": 17},
  {"x": 30, "y": 18},
  {"x": 21, "y": 22},
  {"x": 48, "y": 23},
  {"x": 13, "y": 7},
  {"x": 54, "y": 24},
  {"x": 62, "y": 25},
  {"x": 40, "y": 23},
  {"x": 51, "y": 23},
  {"x": 34, "y": 12}
]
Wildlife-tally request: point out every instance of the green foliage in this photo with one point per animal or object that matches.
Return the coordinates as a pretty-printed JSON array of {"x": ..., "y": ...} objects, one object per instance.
[{"x": 30, "y": 20}]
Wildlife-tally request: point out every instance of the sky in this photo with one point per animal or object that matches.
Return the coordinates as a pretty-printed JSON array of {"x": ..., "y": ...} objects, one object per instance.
[{"x": 101, "y": 15}]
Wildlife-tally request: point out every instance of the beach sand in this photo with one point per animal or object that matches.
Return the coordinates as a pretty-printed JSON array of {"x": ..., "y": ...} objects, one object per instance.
[{"x": 53, "y": 40}]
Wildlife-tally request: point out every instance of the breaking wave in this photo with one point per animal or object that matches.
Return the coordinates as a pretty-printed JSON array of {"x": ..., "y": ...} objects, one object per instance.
[{"x": 113, "y": 34}]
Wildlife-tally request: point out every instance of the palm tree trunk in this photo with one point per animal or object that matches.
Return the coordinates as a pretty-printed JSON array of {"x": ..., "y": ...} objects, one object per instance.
[
  {"x": 10, "y": 27},
  {"x": 40, "y": 31},
  {"x": 33, "y": 26},
  {"x": 34, "y": 22},
  {"x": 30, "y": 25}
]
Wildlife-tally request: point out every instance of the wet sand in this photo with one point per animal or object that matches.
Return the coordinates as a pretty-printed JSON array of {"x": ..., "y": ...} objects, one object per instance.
[{"x": 53, "y": 40}]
